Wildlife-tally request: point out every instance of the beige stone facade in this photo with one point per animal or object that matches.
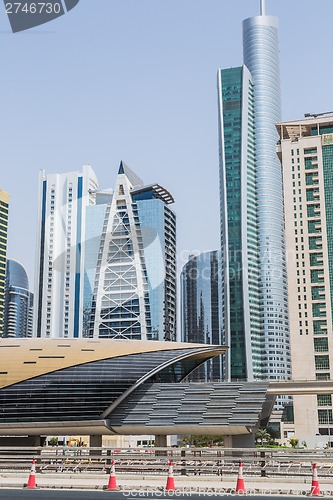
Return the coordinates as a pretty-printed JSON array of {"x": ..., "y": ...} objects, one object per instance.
[{"x": 306, "y": 154}]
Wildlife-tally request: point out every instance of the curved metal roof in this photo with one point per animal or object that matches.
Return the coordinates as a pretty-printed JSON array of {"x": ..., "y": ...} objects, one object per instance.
[
  {"x": 22, "y": 359},
  {"x": 160, "y": 192}
]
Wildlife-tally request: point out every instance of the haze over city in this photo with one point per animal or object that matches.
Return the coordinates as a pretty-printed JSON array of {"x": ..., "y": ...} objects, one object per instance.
[{"x": 136, "y": 81}]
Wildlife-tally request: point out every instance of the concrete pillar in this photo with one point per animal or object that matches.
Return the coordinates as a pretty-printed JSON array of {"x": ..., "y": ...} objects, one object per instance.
[
  {"x": 37, "y": 440},
  {"x": 95, "y": 441},
  {"x": 160, "y": 441},
  {"x": 227, "y": 440},
  {"x": 240, "y": 441}
]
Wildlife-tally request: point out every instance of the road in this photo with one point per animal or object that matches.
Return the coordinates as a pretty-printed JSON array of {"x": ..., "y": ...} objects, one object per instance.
[{"x": 9, "y": 494}]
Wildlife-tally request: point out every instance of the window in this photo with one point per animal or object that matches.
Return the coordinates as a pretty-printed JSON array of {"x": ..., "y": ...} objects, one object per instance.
[
  {"x": 321, "y": 344},
  {"x": 325, "y": 417},
  {"x": 322, "y": 362},
  {"x": 324, "y": 400}
]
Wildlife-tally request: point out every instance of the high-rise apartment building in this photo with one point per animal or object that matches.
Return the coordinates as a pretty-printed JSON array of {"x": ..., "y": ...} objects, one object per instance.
[
  {"x": 306, "y": 153},
  {"x": 252, "y": 215},
  {"x": 60, "y": 252},
  {"x": 4, "y": 205},
  {"x": 106, "y": 260},
  {"x": 134, "y": 295},
  {"x": 201, "y": 299},
  {"x": 18, "y": 311}
]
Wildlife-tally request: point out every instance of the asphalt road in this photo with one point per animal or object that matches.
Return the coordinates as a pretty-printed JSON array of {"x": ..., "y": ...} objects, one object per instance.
[{"x": 9, "y": 494}]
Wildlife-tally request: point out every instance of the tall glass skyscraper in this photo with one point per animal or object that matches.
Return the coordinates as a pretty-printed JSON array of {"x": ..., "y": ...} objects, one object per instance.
[
  {"x": 134, "y": 295},
  {"x": 18, "y": 313},
  {"x": 239, "y": 224},
  {"x": 106, "y": 260},
  {"x": 261, "y": 56},
  {"x": 201, "y": 290},
  {"x": 255, "y": 294},
  {"x": 4, "y": 205}
]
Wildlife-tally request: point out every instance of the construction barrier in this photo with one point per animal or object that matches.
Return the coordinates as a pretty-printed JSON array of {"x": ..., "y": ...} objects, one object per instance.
[
  {"x": 32, "y": 476},
  {"x": 315, "y": 489},
  {"x": 112, "y": 485},
  {"x": 170, "y": 485},
  {"x": 240, "y": 486}
]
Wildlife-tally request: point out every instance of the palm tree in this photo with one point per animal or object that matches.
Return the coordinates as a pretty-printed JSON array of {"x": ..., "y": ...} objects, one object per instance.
[{"x": 262, "y": 435}]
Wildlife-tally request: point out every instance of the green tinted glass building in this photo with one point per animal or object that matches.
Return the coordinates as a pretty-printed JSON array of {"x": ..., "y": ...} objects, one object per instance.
[{"x": 239, "y": 224}]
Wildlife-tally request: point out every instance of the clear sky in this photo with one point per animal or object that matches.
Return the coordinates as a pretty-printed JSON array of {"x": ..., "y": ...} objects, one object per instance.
[{"x": 135, "y": 80}]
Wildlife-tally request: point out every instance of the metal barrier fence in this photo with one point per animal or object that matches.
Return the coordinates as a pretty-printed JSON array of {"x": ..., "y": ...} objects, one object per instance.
[{"x": 154, "y": 461}]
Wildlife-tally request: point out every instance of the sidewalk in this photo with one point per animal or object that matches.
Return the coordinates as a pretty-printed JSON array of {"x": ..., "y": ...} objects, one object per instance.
[{"x": 209, "y": 484}]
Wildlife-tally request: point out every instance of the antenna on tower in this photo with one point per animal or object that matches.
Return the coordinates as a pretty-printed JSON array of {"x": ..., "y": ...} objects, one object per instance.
[{"x": 262, "y": 7}]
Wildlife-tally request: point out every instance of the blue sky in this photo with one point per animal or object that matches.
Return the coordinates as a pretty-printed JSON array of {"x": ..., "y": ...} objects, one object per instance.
[{"x": 135, "y": 80}]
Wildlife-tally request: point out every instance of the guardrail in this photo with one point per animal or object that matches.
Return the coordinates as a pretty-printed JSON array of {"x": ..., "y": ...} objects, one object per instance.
[{"x": 154, "y": 461}]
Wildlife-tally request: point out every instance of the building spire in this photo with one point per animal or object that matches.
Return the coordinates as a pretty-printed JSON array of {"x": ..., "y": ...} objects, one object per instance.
[{"x": 262, "y": 7}]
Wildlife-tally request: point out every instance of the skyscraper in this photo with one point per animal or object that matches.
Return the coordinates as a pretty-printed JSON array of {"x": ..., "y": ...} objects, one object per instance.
[
  {"x": 18, "y": 311},
  {"x": 306, "y": 153},
  {"x": 135, "y": 286},
  {"x": 201, "y": 289},
  {"x": 261, "y": 56},
  {"x": 106, "y": 260},
  {"x": 239, "y": 225},
  {"x": 4, "y": 205},
  {"x": 60, "y": 252},
  {"x": 252, "y": 218}
]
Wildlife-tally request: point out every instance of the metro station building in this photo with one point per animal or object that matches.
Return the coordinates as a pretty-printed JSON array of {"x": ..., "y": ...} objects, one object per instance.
[{"x": 99, "y": 387}]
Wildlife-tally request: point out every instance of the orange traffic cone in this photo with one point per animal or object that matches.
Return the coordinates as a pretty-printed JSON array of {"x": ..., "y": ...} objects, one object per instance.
[
  {"x": 315, "y": 489},
  {"x": 170, "y": 485},
  {"x": 240, "y": 486},
  {"x": 32, "y": 476},
  {"x": 112, "y": 479}
]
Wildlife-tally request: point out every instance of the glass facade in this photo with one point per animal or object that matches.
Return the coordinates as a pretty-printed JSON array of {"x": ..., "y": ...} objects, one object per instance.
[
  {"x": 201, "y": 288},
  {"x": 18, "y": 313},
  {"x": 158, "y": 229},
  {"x": 105, "y": 263},
  {"x": 86, "y": 386},
  {"x": 239, "y": 224},
  {"x": 84, "y": 392},
  {"x": 327, "y": 152},
  {"x": 135, "y": 285},
  {"x": 261, "y": 57},
  {"x": 4, "y": 205},
  {"x": 95, "y": 217}
]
